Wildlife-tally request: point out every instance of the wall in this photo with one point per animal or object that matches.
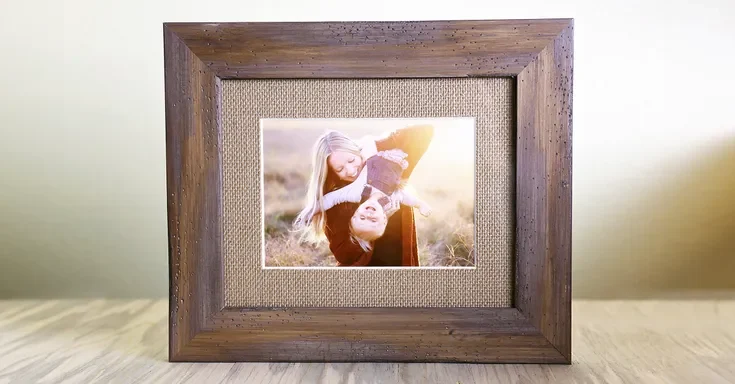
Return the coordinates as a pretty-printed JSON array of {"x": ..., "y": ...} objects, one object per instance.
[{"x": 83, "y": 200}]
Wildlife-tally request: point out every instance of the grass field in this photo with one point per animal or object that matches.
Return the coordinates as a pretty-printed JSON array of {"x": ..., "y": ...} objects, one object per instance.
[{"x": 444, "y": 178}]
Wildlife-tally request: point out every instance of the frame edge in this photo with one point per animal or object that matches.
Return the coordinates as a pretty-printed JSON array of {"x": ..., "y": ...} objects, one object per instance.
[
  {"x": 192, "y": 138},
  {"x": 544, "y": 197}
]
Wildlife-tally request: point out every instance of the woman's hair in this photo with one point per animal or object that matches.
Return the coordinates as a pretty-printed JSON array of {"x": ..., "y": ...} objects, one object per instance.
[
  {"x": 364, "y": 244},
  {"x": 311, "y": 221}
]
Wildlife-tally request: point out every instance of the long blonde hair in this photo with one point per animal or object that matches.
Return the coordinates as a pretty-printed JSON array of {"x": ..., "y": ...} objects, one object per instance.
[{"x": 311, "y": 221}]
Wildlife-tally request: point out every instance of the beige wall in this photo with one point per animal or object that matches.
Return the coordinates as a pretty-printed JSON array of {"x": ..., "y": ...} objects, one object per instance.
[{"x": 82, "y": 167}]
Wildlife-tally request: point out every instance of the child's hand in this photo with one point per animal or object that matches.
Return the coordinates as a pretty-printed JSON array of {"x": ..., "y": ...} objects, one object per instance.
[
  {"x": 393, "y": 206},
  {"x": 425, "y": 209}
]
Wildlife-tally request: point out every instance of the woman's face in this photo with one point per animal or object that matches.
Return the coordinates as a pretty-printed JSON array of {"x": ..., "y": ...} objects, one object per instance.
[{"x": 345, "y": 164}]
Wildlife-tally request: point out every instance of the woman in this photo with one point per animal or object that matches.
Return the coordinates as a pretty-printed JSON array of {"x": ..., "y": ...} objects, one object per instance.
[{"x": 337, "y": 162}]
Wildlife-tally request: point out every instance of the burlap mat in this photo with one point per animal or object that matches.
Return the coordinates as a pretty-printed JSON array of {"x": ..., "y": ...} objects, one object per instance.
[{"x": 489, "y": 100}]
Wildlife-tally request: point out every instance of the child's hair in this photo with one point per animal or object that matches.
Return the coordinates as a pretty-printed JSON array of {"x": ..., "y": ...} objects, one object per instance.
[
  {"x": 311, "y": 221},
  {"x": 364, "y": 238}
]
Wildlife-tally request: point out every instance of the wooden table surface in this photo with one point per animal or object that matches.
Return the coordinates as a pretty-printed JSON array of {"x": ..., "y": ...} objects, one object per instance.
[{"x": 126, "y": 341}]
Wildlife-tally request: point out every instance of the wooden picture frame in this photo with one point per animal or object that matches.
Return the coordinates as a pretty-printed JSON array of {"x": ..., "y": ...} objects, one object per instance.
[{"x": 537, "y": 53}]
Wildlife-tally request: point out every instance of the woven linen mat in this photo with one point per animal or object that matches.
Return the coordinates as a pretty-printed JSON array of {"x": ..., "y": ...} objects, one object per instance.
[{"x": 488, "y": 100}]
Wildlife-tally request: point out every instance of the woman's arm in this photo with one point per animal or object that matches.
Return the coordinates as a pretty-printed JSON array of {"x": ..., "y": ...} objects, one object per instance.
[
  {"x": 349, "y": 193},
  {"x": 413, "y": 140}
]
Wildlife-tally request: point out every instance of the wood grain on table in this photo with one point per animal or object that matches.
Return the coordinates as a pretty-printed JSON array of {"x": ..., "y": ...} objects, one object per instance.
[{"x": 126, "y": 341}]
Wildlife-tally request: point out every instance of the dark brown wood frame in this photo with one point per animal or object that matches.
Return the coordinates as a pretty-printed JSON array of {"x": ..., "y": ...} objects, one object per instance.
[{"x": 537, "y": 53}]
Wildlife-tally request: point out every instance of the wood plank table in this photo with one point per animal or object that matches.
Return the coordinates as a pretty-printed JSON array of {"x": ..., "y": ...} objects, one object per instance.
[{"x": 106, "y": 341}]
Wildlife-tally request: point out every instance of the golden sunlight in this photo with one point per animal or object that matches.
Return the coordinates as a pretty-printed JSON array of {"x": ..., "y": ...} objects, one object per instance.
[{"x": 453, "y": 143}]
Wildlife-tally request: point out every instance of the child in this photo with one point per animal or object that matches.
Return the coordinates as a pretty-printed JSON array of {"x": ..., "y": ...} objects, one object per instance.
[{"x": 378, "y": 183}]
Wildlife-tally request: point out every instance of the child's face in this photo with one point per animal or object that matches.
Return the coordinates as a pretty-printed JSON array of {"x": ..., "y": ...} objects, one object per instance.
[
  {"x": 345, "y": 164},
  {"x": 369, "y": 220}
]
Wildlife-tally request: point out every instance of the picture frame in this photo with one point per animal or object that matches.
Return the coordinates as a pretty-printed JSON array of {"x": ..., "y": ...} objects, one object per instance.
[{"x": 537, "y": 54}]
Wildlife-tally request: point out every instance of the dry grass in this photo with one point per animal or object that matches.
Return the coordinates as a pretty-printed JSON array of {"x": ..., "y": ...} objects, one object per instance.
[
  {"x": 285, "y": 251},
  {"x": 446, "y": 238}
]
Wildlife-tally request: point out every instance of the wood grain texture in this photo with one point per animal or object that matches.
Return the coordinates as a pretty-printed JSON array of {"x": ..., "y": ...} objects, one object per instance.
[
  {"x": 194, "y": 191},
  {"x": 371, "y": 334},
  {"x": 544, "y": 202},
  {"x": 368, "y": 49},
  {"x": 539, "y": 52},
  {"x": 125, "y": 342}
]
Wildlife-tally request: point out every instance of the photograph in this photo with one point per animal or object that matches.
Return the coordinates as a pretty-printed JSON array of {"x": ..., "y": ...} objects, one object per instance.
[{"x": 368, "y": 192}]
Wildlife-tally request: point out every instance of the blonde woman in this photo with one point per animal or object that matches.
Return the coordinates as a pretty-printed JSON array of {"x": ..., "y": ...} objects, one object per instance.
[{"x": 337, "y": 161}]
